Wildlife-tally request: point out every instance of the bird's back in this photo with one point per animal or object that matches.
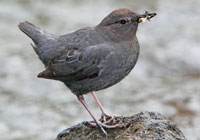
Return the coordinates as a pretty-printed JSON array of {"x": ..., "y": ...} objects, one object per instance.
[{"x": 48, "y": 46}]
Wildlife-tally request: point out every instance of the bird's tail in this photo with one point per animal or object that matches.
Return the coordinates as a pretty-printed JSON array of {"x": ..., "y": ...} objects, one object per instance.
[
  {"x": 43, "y": 40},
  {"x": 35, "y": 33}
]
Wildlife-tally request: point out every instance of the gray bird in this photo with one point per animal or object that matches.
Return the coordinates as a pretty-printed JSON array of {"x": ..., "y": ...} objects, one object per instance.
[{"x": 92, "y": 58}]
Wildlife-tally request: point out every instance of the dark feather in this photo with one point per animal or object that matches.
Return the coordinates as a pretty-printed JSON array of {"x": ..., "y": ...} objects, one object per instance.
[{"x": 75, "y": 65}]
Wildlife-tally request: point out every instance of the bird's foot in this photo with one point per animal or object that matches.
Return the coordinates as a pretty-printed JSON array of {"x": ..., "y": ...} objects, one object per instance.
[
  {"x": 107, "y": 118},
  {"x": 102, "y": 126},
  {"x": 106, "y": 121}
]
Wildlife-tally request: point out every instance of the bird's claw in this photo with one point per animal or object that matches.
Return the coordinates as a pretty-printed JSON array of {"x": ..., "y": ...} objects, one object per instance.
[
  {"x": 103, "y": 125},
  {"x": 107, "y": 118},
  {"x": 106, "y": 121}
]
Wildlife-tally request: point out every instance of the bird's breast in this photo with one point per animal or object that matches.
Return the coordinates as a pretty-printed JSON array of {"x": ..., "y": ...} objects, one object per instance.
[{"x": 119, "y": 64}]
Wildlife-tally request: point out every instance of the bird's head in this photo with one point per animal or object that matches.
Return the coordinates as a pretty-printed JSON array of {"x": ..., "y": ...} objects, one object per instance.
[{"x": 123, "y": 23}]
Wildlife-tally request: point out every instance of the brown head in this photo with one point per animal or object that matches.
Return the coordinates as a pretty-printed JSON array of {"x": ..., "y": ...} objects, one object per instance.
[{"x": 122, "y": 24}]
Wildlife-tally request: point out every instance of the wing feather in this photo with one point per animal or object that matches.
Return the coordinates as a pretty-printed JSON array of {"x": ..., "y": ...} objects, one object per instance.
[{"x": 76, "y": 64}]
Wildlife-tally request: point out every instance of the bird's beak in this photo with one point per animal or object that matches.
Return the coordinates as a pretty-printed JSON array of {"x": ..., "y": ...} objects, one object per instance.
[{"x": 146, "y": 16}]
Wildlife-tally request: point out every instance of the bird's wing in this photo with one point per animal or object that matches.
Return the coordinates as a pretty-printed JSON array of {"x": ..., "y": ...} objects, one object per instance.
[{"x": 75, "y": 64}]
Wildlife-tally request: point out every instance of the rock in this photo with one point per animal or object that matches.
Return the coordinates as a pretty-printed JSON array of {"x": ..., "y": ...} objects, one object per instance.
[{"x": 142, "y": 126}]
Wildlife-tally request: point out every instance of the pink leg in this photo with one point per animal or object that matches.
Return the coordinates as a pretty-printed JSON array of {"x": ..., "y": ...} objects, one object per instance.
[
  {"x": 104, "y": 117},
  {"x": 98, "y": 103},
  {"x": 82, "y": 100}
]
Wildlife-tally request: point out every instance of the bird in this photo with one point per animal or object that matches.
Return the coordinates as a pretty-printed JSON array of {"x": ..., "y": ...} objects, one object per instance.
[{"x": 91, "y": 58}]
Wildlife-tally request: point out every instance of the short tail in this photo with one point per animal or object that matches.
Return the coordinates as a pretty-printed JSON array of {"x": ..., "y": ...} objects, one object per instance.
[
  {"x": 43, "y": 40},
  {"x": 35, "y": 33}
]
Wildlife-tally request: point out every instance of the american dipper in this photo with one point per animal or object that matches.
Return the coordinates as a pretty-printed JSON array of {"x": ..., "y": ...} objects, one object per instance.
[{"x": 92, "y": 58}]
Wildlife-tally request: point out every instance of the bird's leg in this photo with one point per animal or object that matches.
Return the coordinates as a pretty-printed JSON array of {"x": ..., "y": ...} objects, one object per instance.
[
  {"x": 99, "y": 124},
  {"x": 104, "y": 117}
]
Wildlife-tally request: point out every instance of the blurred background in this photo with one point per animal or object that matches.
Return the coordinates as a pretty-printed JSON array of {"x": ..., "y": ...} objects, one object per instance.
[{"x": 166, "y": 78}]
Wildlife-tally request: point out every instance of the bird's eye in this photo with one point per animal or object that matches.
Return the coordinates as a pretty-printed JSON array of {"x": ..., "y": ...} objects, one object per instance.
[{"x": 123, "y": 21}]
